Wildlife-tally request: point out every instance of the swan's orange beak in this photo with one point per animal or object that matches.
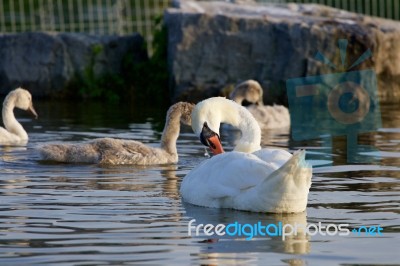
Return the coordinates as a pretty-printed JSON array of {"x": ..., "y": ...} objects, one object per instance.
[
  {"x": 215, "y": 145},
  {"x": 211, "y": 139}
]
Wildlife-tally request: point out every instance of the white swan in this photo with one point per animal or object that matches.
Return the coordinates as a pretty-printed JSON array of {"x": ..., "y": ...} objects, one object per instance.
[
  {"x": 268, "y": 117},
  {"x": 14, "y": 133},
  {"x": 108, "y": 151},
  {"x": 249, "y": 178}
]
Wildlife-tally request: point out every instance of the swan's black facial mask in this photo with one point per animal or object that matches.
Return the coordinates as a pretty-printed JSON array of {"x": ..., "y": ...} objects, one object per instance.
[{"x": 211, "y": 139}]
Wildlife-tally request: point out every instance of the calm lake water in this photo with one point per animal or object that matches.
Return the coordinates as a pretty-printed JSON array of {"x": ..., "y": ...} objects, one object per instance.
[{"x": 60, "y": 214}]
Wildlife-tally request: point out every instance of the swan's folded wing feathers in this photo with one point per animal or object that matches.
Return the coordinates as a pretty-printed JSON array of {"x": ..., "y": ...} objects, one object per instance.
[
  {"x": 107, "y": 151},
  {"x": 241, "y": 171},
  {"x": 285, "y": 190},
  {"x": 75, "y": 153},
  {"x": 136, "y": 147},
  {"x": 227, "y": 182},
  {"x": 275, "y": 157},
  {"x": 294, "y": 174},
  {"x": 116, "y": 151}
]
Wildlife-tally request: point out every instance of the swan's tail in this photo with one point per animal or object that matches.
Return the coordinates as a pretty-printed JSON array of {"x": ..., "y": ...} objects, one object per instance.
[
  {"x": 69, "y": 153},
  {"x": 290, "y": 183}
]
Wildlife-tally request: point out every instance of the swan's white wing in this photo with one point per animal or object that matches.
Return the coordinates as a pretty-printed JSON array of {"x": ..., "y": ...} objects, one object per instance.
[
  {"x": 275, "y": 157},
  {"x": 246, "y": 182},
  {"x": 285, "y": 190},
  {"x": 225, "y": 175}
]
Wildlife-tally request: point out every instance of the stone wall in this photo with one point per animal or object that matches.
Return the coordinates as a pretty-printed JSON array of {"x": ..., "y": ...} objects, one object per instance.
[
  {"x": 215, "y": 44},
  {"x": 48, "y": 63}
]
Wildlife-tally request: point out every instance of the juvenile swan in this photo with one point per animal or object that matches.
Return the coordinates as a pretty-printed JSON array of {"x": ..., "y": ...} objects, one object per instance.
[
  {"x": 248, "y": 178},
  {"x": 108, "y": 151},
  {"x": 14, "y": 133},
  {"x": 268, "y": 117}
]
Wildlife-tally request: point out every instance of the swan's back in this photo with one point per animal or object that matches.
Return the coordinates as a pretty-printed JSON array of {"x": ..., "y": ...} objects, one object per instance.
[
  {"x": 70, "y": 153},
  {"x": 251, "y": 182},
  {"x": 117, "y": 151},
  {"x": 270, "y": 117},
  {"x": 284, "y": 191},
  {"x": 110, "y": 151},
  {"x": 106, "y": 151}
]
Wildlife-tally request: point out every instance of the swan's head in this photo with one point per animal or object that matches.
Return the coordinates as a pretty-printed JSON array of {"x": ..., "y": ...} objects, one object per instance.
[
  {"x": 207, "y": 116},
  {"x": 22, "y": 100},
  {"x": 182, "y": 109},
  {"x": 249, "y": 90}
]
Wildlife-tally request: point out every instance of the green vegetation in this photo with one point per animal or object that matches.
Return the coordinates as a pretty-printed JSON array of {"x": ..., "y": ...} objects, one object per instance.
[
  {"x": 141, "y": 82},
  {"x": 150, "y": 78},
  {"x": 105, "y": 86}
]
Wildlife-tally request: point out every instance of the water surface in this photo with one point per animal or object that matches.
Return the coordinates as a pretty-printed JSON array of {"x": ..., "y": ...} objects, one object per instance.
[{"x": 60, "y": 214}]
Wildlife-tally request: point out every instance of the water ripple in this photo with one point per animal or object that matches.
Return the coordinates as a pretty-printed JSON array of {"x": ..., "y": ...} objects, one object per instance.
[{"x": 59, "y": 214}]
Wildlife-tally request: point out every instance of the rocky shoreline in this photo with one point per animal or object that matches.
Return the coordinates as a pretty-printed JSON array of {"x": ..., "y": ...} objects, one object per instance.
[
  {"x": 48, "y": 64},
  {"x": 213, "y": 45}
]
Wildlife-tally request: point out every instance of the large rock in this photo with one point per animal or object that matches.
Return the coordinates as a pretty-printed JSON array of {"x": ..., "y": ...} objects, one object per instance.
[
  {"x": 47, "y": 63},
  {"x": 214, "y": 44}
]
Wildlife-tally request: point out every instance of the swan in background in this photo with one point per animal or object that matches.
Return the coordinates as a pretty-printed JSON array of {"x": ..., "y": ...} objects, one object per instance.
[
  {"x": 268, "y": 117},
  {"x": 249, "y": 178},
  {"x": 14, "y": 133},
  {"x": 108, "y": 151}
]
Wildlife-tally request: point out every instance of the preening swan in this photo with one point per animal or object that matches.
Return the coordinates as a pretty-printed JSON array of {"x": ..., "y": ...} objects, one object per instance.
[
  {"x": 268, "y": 117},
  {"x": 108, "y": 151},
  {"x": 249, "y": 178},
  {"x": 14, "y": 133}
]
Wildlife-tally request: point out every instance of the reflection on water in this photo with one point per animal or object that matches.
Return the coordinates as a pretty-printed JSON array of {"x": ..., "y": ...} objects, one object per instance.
[
  {"x": 227, "y": 244},
  {"x": 58, "y": 214}
]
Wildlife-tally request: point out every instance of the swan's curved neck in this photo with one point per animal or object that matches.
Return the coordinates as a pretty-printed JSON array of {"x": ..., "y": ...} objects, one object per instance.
[
  {"x": 171, "y": 132},
  {"x": 10, "y": 123},
  {"x": 240, "y": 117},
  {"x": 238, "y": 99}
]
